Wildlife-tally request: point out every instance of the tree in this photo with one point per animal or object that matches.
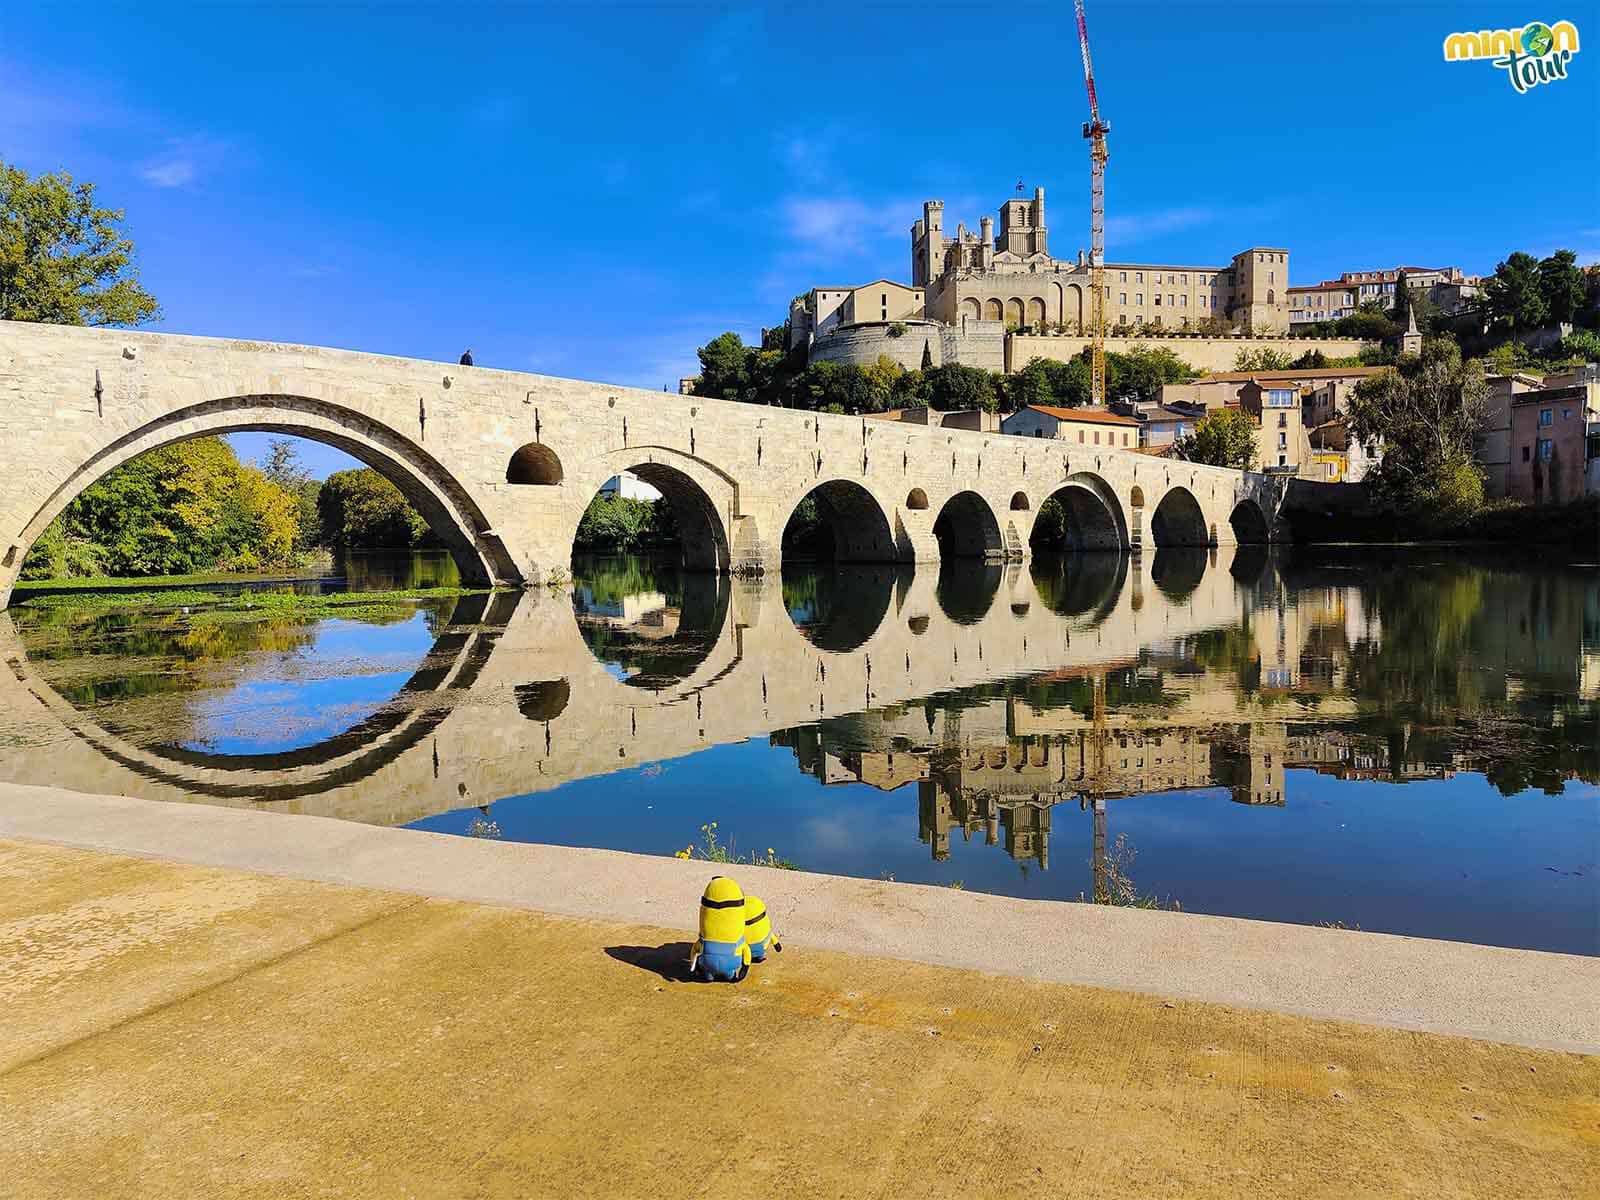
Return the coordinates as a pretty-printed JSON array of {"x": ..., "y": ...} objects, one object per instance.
[
  {"x": 882, "y": 376},
  {"x": 724, "y": 368},
  {"x": 1225, "y": 437},
  {"x": 185, "y": 507},
  {"x": 1512, "y": 297},
  {"x": 64, "y": 260},
  {"x": 953, "y": 387},
  {"x": 1309, "y": 360},
  {"x": 282, "y": 467},
  {"x": 1030, "y": 386},
  {"x": 1262, "y": 358},
  {"x": 1401, "y": 312},
  {"x": 1562, "y": 285},
  {"x": 1426, "y": 413},
  {"x": 362, "y": 508}
]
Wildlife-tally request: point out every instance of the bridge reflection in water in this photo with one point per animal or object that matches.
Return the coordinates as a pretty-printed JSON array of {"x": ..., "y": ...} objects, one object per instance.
[{"x": 998, "y": 697}]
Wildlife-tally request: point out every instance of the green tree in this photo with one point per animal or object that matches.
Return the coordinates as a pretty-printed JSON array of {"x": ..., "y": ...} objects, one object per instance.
[
  {"x": 1031, "y": 385},
  {"x": 1261, "y": 358},
  {"x": 953, "y": 387},
  {"x": 1309, "y": 360},
  {"x": 185, "y": 507},
  {"x": 1426, "y": 413},
  {"x": 282, "y": 466},
  {"x": 1400, "y": 314},
  {"x": 362, "y": 508},
  {"x": 64, "y": 260},
  {"x": 1562, "y": 285},
  {"x": 1225, "y": 437},
  {"x": 1512, "y": 297},
  {"x": 725, "y": 368},
  {"x": 882, "y": 378}
]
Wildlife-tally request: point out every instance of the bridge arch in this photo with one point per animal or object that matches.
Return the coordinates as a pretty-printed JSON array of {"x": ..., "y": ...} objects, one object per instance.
[
  {"x": 1249, "y": 522},
  {"x": 702, "y": 498},
  {"x": 1092, "y": 516},
  {"x": 854, "y": 523},
  {"x": 967, "y": 528},
  {"x": 1179, "y": 520},
  {"x": 443, "y": 502}
]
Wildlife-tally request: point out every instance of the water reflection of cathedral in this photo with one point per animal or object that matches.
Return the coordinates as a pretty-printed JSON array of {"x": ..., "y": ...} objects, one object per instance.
[{"x": 1003, "y": 791}]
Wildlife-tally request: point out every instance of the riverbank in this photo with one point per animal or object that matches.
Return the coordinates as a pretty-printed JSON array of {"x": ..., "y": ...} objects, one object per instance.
[
  {"x": 1524, "y": 997},
  {"x": 1318, "y": 515},
  {"x": 176, "y": 1030},
  {"x": 247, "y": 605}
]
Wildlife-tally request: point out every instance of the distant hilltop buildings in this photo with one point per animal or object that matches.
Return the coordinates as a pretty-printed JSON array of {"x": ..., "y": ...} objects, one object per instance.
[{"x": 997, "y": 299}]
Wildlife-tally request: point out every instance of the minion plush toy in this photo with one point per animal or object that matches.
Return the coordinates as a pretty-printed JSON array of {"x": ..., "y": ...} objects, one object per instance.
[
  {"x": 758, "y": 929},
  {"x": 721, "y": 951}
]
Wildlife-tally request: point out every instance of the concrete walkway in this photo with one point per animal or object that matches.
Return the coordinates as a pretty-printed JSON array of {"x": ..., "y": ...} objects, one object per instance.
[
  {"x": 1518, "y": 996},
  {"x": 175, "y": 1030}
]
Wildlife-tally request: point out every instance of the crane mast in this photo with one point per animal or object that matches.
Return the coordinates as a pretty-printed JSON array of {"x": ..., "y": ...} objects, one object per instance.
[{"x": 1095, "y": 130}]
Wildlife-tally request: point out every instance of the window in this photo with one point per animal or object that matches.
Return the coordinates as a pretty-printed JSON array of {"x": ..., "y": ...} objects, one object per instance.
[
  {"x": 1283, "y": 441},
  {"x": 1280, "y": 397},
  {"x": 1096, "y": 437},
  {"x": 1124, "y": 439},
  {"x": 1183, "y": 301},
  {"x": 1185, "y": 279},
  {"x": 1080, "y": 437},
  {"x": 1566, "y": 414},
  {"x": 1124, "y": 278},
  {"x": 1138, "y": 298},
  {"x": 1545, "y": 416},
  {"x": 1158, "y": 299},
  {"x": 1138, "y": 276},
  {"x": 1526, "y": 453},
  {"x": 1124, "y": 297},
  {"x": 1283, "y": 460},
  {"x": 1544, "y": 449},
  {"x": 1038, "y": 433},
  {"x": 1283, "y": 420}
]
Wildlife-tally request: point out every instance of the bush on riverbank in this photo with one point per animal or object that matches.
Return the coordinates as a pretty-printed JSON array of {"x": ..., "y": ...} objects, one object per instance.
[{"x": 1509, "y": 522}]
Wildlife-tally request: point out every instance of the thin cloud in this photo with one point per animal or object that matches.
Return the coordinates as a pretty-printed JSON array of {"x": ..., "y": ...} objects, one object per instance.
[
  {"x": 172, "y": 173},
  {"x": 1142, "y": 226},
  {"x": 184, "y": 161},
  {"x": 844, "y": 223}
]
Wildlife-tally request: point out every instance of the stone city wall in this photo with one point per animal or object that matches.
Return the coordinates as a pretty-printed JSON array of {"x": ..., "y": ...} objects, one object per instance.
[{"x": 1202, "y": 353}]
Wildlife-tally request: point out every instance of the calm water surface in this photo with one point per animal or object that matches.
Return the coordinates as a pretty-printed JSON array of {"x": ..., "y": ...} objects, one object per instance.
[{"x": 1406, "y": 742}]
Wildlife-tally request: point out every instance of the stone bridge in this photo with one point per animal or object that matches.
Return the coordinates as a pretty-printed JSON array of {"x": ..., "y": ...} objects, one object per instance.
[
  {"x": 503, "y": 464},
  {"x": 512, "y": 700}
]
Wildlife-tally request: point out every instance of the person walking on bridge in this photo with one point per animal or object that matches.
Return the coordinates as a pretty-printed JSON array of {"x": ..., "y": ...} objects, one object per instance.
[{"x": 466, "y": 357}]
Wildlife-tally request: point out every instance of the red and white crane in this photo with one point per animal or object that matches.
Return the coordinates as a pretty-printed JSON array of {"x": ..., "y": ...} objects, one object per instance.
[{"x": 1095, "y": 130}]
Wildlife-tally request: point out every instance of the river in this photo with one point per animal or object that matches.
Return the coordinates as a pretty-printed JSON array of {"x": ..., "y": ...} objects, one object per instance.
[{"x": 1397, "y": 741}]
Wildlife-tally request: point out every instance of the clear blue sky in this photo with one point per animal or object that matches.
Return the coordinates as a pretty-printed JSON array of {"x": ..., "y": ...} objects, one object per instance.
[{"x": 594, "y": 190}]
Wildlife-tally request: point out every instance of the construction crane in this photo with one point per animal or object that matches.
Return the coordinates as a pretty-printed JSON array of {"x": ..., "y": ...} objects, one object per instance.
[{"x": 1095, "y": 130}]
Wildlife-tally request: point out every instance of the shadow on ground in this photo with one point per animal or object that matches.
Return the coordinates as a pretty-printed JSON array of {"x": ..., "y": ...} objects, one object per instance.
[{"x": 670, "y": 960}]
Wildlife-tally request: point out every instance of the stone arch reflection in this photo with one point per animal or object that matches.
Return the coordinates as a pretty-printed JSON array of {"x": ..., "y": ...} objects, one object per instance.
[
  {"x": 1178, "y": 570},
  {"x": 1074, "y": 585},
  {"x": 838, "y": 610},
  {"x": 465, "y": 635},
  {"x": 966, "y": 590},
  {"x": 650, "y": 625}
]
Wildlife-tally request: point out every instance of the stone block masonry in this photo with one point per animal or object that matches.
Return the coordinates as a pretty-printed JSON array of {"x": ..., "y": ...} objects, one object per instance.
[{"x": 503, "y": 464}]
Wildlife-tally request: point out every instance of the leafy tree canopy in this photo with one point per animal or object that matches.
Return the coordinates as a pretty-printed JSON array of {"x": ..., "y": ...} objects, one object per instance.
[
  {"x": 1225, "y": 437},
  {"x": 64, "y": 260}
]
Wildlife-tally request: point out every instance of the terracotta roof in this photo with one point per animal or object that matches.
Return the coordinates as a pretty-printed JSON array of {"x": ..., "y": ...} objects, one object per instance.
[
  {"x": 1289, "y": 375},
  {"x": 1095, "y": 416},
  {"x": 1159, "y": 451}
]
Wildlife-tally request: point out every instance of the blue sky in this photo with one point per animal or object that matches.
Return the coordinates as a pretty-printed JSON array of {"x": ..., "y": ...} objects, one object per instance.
[{"x": 595, "y": 190}]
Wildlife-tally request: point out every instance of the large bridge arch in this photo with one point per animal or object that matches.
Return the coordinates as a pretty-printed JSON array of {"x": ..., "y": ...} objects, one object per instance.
[
  {"x": 968, "y": 528},
  {"x": 444, "y": 503},
  {"x": 1094, "y": 516},
  {"x": 1179, "y": 520},
  {"x": 704, "y": 500},
  {"x": 858, "y": 524}
]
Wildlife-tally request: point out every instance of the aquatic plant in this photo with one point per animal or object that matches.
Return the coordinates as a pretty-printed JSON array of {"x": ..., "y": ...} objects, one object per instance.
[{"x": 712, "y": 849}]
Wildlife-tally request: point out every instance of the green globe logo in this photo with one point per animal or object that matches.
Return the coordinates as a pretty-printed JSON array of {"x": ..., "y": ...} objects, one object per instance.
[{"x": 1537, "y": 40}]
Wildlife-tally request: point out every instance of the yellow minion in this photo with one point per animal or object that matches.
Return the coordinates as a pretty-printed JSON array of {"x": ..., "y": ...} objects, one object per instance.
[
  {"x": 758, "y": 932},
  {"x": 721, "y": 951}
]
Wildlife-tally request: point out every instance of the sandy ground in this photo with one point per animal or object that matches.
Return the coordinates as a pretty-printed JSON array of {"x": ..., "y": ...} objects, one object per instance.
[{"x": 177, "y": 1030}]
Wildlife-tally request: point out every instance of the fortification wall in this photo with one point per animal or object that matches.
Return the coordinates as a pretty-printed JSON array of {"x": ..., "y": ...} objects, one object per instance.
[
  {"x": 1203, "y": 353},
  {"x": 863, "y": 344},
  {"x": 972, "y": 344}
]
